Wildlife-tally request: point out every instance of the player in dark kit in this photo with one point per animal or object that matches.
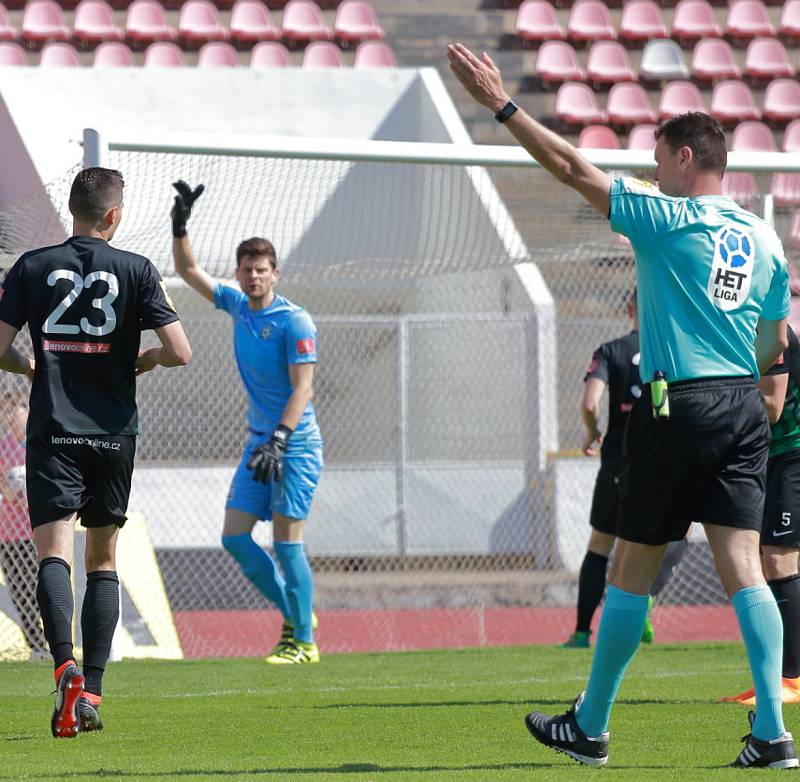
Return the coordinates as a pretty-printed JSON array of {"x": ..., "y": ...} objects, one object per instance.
[{"x": 85, "y": 304}]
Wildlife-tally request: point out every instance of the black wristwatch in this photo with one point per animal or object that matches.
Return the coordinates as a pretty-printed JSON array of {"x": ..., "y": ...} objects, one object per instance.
[{"x": 506, "y": 112}]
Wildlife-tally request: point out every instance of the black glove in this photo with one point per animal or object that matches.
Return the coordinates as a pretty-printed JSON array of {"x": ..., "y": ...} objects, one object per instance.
[
  {"x": 184, "y": 202},
  {"x": 266, "y": 461}
]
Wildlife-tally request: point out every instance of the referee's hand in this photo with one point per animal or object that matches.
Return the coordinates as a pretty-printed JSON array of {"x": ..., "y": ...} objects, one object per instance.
[
  {"x": 267, "y": 460},
  {"x": 588, "y": 444},
  {"x": 182, "y": 209},
  {"x": 480, "y": 77}
]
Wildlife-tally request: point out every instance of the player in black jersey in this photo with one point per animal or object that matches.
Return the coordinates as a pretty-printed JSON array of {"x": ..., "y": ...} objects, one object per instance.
[
  {"x": 615, "y": 365},
  {"x": 86, "y": 305}
]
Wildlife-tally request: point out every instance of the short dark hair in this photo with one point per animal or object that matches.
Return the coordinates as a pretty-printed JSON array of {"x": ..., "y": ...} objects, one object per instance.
[
  {"x": 256, "y": 247},
  {"x": 702, "y": 134},
  {"x": 95, "y": 191}
]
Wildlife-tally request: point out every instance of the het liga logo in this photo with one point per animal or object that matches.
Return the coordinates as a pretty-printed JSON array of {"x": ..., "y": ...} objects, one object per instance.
[{"x": 732, "y": 268}]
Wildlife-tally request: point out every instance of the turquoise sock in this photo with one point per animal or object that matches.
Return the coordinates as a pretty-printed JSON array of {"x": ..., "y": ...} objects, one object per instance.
[
  {"x": 260, "y": 568},
  {"x": 762, "y": 631},
  {"x": 618, "y": 637},
  {"x": 299, "y": 587}
]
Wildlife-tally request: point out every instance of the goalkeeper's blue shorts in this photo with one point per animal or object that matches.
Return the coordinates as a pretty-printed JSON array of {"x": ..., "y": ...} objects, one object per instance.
[{"x": 302, "y": 466}]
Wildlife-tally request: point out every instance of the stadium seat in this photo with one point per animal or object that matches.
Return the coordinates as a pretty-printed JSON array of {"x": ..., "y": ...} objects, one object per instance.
[
  {"x": 752, "y": 137},
  {"x": 782, "y": 100},
  {"x": 766, "y": 58},
  {"x": 163, "y": 55},
  {"x": 303, "y": 22},
  {"x": 662, "y": 60},
  {"x": 732, "y": 101},
  {"x": 678, "y": 97},
  {"x": 374, "y": 54},
  {"x": 748, "y": 19},
  {"x": 607, "y": 63},
  {"x": 94, "y": 22},
  {"x": 12, "y": 54},
  {"x": 589, "y": 20},
  {"x": 786, "y": 189},
  {"x": 113, "y": 54},
  {"x": 146, "y": 22},
  {"x": 217, "y": 54},
  {"x": 322, "y": 54},
  {"x": 269, "y": 55},
  {"x": 789, "y": 26},
  {"x": 712, "y": 59},
  {"x": 794, "y": 231},
  {"x": 693, "y": 20},
  {"x": 199, "y": 23},
  {"x": 7, "y": 31},
  {"x": 598, "y": 137},
  {"x": 59, "y": 55},
  {"x": 537, "y": 21},
  {"x": 42, "y": 21},
  {"x": 642, "y": 136},
  {"x": 791, "y": 137},
  {"x": 741, "y": 187},
  {"x": 251, "y": 22},
  {"x": 557, "y": 62},
  {"x": 641, "y": 20},
  {"x": 628, "y": 104},
  {"x": 356, "y": 21},
  {"x": 576, "y": 104}
]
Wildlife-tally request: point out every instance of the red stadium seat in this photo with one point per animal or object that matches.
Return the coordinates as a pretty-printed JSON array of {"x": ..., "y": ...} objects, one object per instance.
[
  {"x": 557, "y": 62},
  {"x": 786, "y": 189},
  {"x": 794, "y": 231},
  {"x": 576, "y": 104},
  {"x": 608, "y": 63},
  {"x": 748, "y": 19},
  {"x": 641, "y": 21},
  {"x": 678, "y": 97},
  {"x": 59, "y": 55},
  {"x": 790, "y": 20},
  {"x": 693, "y": 20},
  {"x": 356, "y": 21},
  {"x": 589, "y": 20},
  {"x": 713, "y": 59},
  {"x": 741, "y": 187},
  {"x": 251, "y": 22},
  {"x": 374, "y": 54},
  {"x": 662, "y": 60},
  {"x": 782, "y": 100},
  {"x": 642, "y": 136},
  {"x": 163, "y": 55},
  {"x": 766, "y": 58},
  {"x": 199, "y": 22},
  {"x": 7, "y": 31},
  {"x": 732, "y": 101},
  {"x": 322, "y": 54},
  {"x": 303, "y": 22},
  {"x": 628, "y": 104},
  {"x": 752, "y": 137},
  {"x": 42, "y": 21},
  {"x": 113, "y": 54},
  {"x": 791, "y": 137},
  {"x": 269, "y": 55},
  {"x": 217, "y": 54},
  {"x": 598, "y": 137},
  {"x": 146, "y": 22},
  {"x": 12, "y": 54},
  {"x": 537, "y": 21},
  {"x": 94, "y": 22}
]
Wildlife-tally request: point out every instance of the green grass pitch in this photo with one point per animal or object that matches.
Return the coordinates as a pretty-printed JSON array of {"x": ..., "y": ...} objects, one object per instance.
[{"x": 441, "y": 715}]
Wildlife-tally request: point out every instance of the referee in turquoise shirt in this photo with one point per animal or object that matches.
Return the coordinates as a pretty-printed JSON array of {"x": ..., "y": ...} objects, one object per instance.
[{"x": 713, "y": 300}]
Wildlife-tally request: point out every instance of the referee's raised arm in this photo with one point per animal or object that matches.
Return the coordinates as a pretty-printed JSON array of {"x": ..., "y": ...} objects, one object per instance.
[{"x": 481, "y": 79}]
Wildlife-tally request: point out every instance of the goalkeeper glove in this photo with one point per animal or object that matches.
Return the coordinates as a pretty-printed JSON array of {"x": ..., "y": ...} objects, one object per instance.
[
  {"x": 266, "y": 461},
  {"x": 182, "y": 210}
]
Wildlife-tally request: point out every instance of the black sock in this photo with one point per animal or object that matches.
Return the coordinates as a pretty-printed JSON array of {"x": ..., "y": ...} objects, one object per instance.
[
  {"x": 99, "y": 618},
  {"x": 591, "y": 585},
  {"x": 787, "y": 593},
  {"x": 672, "y": 559},
  {"x": 56, "y": 605}
]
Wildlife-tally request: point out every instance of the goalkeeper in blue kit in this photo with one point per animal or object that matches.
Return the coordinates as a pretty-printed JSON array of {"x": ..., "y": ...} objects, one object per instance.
[{"x": 275, "y": 344}]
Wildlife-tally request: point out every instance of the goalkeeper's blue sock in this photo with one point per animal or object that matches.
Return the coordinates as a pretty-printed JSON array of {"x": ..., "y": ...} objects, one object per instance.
[
  {"x": 762, "y": 631},
  {"x": 618, "y": 639},
  {"x": 299, "y": 587},
  {"x": 260, "y": 568}
]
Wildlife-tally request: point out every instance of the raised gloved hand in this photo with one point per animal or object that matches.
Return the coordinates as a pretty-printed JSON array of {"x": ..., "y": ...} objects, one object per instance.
[
  {"x": 267, "y": 460},
  {"x": 182, "y": 209}
]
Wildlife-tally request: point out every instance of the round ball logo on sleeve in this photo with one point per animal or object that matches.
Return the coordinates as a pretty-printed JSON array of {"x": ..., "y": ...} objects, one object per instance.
[{"x": 732, "y": 269}]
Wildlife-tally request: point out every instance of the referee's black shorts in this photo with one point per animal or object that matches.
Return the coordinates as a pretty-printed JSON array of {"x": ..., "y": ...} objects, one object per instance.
[
  {"x": 87, "y": 474},
  {"x": 605, "y": 499},
  {"x": 706, "y": 463}
]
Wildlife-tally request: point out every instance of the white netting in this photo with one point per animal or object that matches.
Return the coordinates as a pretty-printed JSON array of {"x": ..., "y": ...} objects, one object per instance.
[{"x": 457, "y": 310}]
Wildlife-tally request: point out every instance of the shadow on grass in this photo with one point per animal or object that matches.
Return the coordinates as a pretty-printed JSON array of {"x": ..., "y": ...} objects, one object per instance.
[{"x": 561, "y": 704}]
